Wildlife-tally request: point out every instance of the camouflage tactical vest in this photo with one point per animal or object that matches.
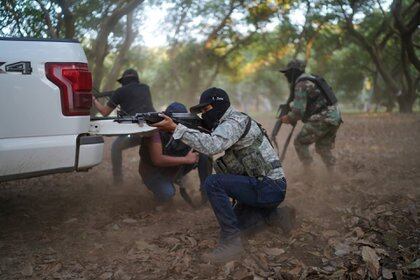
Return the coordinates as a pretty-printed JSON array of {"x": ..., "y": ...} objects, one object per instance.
[{"x": 247, "y": 161}]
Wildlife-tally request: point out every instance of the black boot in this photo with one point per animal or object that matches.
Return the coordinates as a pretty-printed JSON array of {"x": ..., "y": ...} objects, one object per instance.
[
  {"x": 284, "y": 217},
  {"x": 227, "y": 250}
]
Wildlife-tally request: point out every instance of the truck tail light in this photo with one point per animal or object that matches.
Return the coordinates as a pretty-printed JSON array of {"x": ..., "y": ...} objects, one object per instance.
[{"x": 75, "y": 83}]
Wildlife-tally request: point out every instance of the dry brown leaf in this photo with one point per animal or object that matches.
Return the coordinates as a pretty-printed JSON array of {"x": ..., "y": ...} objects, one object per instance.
[
  {"x": 27, "y": 270},
  {"x": 204, "y": 244},
  {"x": 206, "y": 269},
  {"x": 229, "y": 267},
  {"x": 359, "y": 232},
  {"x": 387, "y": 273},
  {"x": 130, "y": 221},
  {"x": 366, "y": 242},
  {"x": 390, "y": 240},
  {"x": 121, "y": 275},
  {"x": 106, "y": 275},
  {"x": 304, "y": 274},
  {"x": 414, "y": 265},
  {"x": 371, "y": 260},
  {"x": 170, "y": 241},
  {"x": 413, "y": 213},
  {"x": 70, "y": 221},
  {"x": 242, "y": 274},
  {"x": 382, "y": 252},
  {"x": 295, "y": 271},
  {"x": 341, "y": 249},
  {"x": 192, "y": 241},
  {"x": 274, "y": 251},
  {"x": 327, "y": 234},
  {"x": 143, "y": 245},
  {"x": 56, "y": 268}
]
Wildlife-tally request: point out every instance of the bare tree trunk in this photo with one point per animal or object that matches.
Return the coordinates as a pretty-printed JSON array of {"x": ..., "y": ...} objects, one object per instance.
[
  {"x": 214, "y": 75},
  {"x": 375, "y": 52},
  {"x": 408, "y": 93},
  {"x": 175, "y": 44},
  {"x": 51, "y": 30},
  {"x": 405, "y": 103},
  {"x": 122, "y": 54},
  {"x": 100, "y": 49},
  {"x": 216, "y": 30},
  {"x": 68, "y": 17},
  {"x": 406, "y": 31}
]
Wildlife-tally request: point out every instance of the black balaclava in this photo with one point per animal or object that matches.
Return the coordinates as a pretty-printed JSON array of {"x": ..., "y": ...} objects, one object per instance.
[
  {"x": 129, "y": 76},
  {"x": 292, "y": 74},
  {"x": 220, "y": 102},
  {"x": 171, "y": 146},
  {"x": 128, "y": 80}
]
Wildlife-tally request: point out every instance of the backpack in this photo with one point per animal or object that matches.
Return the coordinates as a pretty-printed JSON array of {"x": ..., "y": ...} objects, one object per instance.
[{"x": 322, "y": 85}]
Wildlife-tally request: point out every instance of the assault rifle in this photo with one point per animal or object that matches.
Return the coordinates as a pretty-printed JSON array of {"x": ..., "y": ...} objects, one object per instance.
[
  {"x": 188, "y": 119},
  {"x": 283, "y": 110}
]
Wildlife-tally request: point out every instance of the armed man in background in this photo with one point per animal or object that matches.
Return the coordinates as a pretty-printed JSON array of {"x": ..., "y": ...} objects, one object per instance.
[
  {"x": 249, "y": 171},
  {"x": 315, "y": 104},
  {"x": 132, "y": 97}
]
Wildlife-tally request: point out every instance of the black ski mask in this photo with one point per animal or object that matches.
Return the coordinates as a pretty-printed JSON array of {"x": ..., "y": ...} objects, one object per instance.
[
  {"x": 211, "y": 118},
  {"x": 174, "y": 147},
  {"x": 292, "y": 74},
  {"x": 219, "y": 99},
  {"x": 128, "y": 80}
]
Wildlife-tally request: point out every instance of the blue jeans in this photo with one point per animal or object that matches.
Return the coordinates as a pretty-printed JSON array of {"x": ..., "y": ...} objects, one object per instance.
[
  {"x": 258, "y": 197},
  {"x": 162, "y": 185}
]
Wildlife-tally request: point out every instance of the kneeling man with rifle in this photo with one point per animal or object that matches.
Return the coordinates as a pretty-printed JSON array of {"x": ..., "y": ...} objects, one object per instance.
[
  {"x": 249, "y": 172},
  {"x": 165, "y": 161}
]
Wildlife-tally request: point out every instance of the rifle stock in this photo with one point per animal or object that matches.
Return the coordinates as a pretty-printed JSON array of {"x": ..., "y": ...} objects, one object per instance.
[
  {"x": 286, "y": 144},
  {"x": 283, "y": 110}
]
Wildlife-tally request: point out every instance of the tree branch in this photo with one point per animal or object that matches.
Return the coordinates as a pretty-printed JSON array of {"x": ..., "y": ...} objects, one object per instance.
[
  {"x": 406, "y": 32},
  {"x": 122, "y": 53},
  {"x": 101, "y": 42},
  {"x": 51, "y": 30},
  {"x": 68, "y": 18},
  {"x": 215, "y": 31}
]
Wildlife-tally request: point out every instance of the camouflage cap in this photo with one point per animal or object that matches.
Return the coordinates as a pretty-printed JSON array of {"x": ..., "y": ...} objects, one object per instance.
[{"x": 294, "y": 64}]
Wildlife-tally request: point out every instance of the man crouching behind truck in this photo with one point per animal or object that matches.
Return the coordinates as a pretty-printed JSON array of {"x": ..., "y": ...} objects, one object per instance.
[
  {"x": 249, "y": 172},
  {"x": 133, "y": 97},
  {"x": 165, "y": 161}
]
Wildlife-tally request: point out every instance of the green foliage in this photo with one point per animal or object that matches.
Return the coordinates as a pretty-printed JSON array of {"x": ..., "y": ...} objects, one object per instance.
[{"x": 237, "y": 44}]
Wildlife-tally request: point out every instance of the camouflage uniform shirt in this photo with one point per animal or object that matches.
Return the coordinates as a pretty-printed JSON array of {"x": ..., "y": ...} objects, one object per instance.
[
  {"x": 307, "y": 92},
  {"x": 226, "y": 135}
]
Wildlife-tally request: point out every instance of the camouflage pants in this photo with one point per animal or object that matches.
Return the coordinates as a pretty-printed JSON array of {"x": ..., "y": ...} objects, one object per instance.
[{"x": 323, "y": 135}]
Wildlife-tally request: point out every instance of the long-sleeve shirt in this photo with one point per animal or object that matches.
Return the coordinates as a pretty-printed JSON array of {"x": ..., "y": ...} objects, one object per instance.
[{"x": 228, "y": 135}]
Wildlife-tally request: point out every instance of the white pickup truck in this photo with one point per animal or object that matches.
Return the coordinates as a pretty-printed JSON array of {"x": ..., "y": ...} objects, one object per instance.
[{"x": 45, "y": 101}]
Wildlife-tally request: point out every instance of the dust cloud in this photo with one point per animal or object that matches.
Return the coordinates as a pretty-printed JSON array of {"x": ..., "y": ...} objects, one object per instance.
[{"x": 361, "y": 221}]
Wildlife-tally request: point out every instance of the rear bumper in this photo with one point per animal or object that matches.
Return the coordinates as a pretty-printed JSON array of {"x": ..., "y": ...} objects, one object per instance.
[
  {"x": 90, "y": 152},
  {"x": 28, "y": 157}
]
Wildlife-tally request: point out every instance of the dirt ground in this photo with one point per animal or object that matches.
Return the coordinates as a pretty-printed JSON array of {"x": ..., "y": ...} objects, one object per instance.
[{"x": 361, "y": 224}]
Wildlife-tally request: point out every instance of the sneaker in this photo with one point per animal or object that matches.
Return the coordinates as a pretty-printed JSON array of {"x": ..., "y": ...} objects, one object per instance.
[{"x": 226, "y": 251}]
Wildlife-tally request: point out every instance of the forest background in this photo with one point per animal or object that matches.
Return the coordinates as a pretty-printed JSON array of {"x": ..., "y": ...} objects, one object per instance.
[{"x": 368, "y": 50}]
